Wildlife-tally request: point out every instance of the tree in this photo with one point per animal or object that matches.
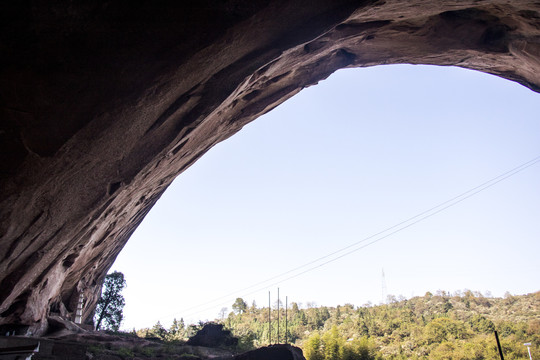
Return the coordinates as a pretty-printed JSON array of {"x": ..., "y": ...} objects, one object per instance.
[
  {"x": 278, "y": 304},
  {"x": 359, "y": 349},
  {"x": 176, "y": 330},
  {"x": 443, "y": 328},
  {"x": 312, "y": 347},
  {"x": 332, "y": 344},
  {"x": 480, "y": 324},
  {"x": 159, "y": 331},
  {"x": 222, "y": 313},
  {"x": 239, "y": 306},
  {"x": 110, "y": 306}
]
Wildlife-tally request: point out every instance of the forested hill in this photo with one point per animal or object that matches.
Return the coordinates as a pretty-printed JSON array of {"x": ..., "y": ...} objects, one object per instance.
[{"x": 434, "y": 326}]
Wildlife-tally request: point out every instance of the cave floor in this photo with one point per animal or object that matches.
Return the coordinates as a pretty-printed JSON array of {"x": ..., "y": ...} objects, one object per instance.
[{"x": 103, "y": 346}]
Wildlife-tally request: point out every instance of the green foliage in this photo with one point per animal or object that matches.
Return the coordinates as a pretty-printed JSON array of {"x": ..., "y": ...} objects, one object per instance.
[
  {"x": 333, "y": 346},
  {"x": 177, "y": 331},
  {"x": 126, "y": 352},
  {"x": 239, "y": 306},
  {"x": 360, "y": 349},
  {"x": 158, "y": 331},
  {"x": 148, "y": 351},
  {"x": 96, "y": 349},
  {"x": 481, "y": 324},
  {"x": 435, "y": 326},
  {"x": 246, "y": 341},
  {"x": 313, "y": 347},
  {"x": 444, "y": 329},
  {"x": 110, "y": 306}
]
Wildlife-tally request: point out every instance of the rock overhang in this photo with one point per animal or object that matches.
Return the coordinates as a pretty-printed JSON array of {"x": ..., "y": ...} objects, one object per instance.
[{"x": 104, "y": 104}]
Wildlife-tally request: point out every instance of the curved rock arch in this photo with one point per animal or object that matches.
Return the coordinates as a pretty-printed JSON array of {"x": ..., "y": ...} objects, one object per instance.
[{"x": 103, "y": 105}]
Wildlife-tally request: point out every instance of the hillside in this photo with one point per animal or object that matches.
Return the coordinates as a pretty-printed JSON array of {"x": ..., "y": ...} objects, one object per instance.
[{"x": 435, "y": 326}]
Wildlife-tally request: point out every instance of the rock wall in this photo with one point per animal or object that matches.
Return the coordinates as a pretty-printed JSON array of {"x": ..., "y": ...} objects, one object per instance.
[{"x": 104, "y": 103}]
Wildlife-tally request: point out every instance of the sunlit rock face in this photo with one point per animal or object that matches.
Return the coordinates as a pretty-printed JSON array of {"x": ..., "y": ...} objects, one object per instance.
[{"x": 104, "y": 103}]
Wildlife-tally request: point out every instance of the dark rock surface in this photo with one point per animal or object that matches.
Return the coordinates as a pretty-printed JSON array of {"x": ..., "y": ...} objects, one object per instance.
[
  {"x": 103, "y": 104},
  {"x": 213, "y": 335},
  {"x": 102, "y": 346},
  {"x": 273, "y": 352},
  {"x": 112, "y": 347}
]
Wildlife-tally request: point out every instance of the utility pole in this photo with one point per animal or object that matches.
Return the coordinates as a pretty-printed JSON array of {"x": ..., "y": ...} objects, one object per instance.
[
  {"x": 269, "y": 320},
  {"x": 499, "y": 345},
  {"x": 287, "y": 318},
  {"x": 278, "y": 315}
]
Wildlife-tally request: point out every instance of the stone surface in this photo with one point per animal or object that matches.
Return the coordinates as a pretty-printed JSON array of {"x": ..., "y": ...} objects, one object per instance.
[
  {"x": 104, "y": 103},
  {"x": 213, "y": 335},
  {"x": 273, "y": 352},
  {"x": 102, "y": 346}
]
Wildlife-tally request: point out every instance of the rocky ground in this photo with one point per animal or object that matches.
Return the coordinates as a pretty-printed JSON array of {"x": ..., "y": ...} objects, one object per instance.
[
  {"x": 98, "y": 346},
  {"x": 101, "y": 346}
]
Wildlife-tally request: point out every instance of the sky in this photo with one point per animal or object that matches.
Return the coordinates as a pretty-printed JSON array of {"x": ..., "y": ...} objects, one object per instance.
[{"x": 357, "y": 155}]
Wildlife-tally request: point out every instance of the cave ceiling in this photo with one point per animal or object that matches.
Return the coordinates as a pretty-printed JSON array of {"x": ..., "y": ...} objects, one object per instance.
[{"x": 104, "y": 103}]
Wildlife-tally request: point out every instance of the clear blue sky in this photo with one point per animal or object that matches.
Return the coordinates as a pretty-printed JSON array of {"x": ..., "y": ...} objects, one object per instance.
[{"x": 341, "y": 161}]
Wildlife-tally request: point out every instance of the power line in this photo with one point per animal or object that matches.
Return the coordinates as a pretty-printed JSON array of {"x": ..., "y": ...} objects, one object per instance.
[
  {"x": 377, "y": 237},
  {"x": 421, "y": 216}
]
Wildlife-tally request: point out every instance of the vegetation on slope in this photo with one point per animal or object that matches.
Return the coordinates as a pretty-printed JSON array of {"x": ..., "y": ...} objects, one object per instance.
[{"x": 435, "y": 326}]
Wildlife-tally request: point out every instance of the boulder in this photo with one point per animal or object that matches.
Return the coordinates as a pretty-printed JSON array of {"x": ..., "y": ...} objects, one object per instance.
[
  {"x": 273, "y": 352},
  {"x": 213, "y": 335}
]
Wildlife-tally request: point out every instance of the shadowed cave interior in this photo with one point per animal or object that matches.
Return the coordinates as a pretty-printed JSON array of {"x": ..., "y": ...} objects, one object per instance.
[{"x": 103, "y": 105}]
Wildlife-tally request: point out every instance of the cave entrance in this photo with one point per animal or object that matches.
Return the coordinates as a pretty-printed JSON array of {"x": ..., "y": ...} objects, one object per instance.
[
  {"x": 339, "y": 162},
  {"x": 105, "y": 106}
]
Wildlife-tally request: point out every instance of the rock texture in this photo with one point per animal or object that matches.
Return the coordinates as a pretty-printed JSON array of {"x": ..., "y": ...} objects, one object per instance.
[
  {"x": 273, "y": 352},
  {"x": 213, "y": 335},
  {"x": 102, "y": 346},
  {"x": 104, "y": 103}
]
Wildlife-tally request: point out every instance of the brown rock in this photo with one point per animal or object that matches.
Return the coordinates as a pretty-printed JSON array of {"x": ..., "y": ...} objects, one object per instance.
[{"x": 103, "y": 104}]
